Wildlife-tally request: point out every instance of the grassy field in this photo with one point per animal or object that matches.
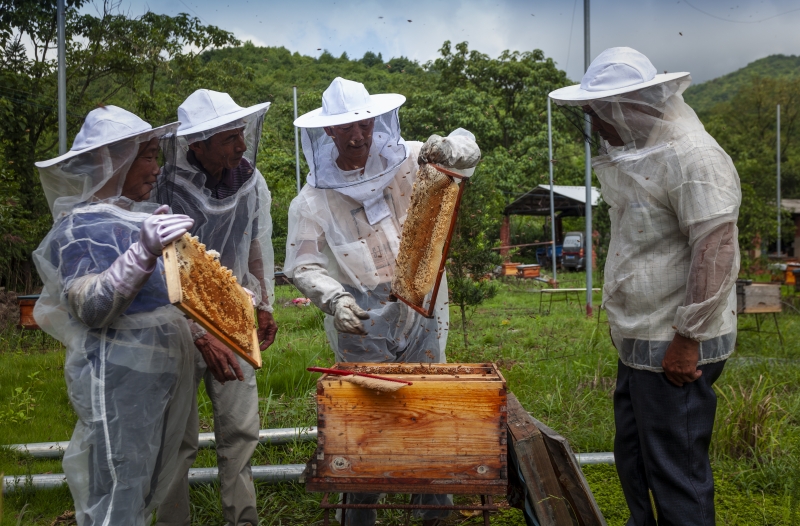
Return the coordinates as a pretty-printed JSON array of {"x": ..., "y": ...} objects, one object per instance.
[{"x": 560, "y": 365}]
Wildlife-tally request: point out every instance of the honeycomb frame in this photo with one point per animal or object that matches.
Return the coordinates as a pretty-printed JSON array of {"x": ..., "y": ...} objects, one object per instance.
[
  {"x": 426, "y": 237},
  {"x": 209, "y": 294}
]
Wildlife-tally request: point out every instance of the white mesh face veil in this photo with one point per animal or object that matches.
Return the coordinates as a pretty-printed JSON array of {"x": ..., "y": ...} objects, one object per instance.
[
  {"x": 674, "y": 199},
  {"x": 251, "y": 127},
  {"x": 99, "y": 174},
  {"x": 387, "y": 152}
]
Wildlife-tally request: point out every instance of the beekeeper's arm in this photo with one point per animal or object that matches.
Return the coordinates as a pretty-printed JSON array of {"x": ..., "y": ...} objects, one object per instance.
[
  {"x": 306, "y": 265},
  {"x": 98, "y": 299},
  {"x": 707, "y": 205}
]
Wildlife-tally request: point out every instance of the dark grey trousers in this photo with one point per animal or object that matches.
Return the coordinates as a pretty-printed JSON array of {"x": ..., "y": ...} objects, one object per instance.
[{"x": 663, "y": 434}]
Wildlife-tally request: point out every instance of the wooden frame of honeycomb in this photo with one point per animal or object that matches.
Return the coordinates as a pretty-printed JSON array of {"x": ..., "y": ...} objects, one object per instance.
[
  {"x": 208, "y": 293},
  {"x": 426, "y": 237}
]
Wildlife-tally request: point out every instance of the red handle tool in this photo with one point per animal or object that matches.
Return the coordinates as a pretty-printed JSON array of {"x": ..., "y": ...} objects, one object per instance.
[{"x": 340, "y": 372}]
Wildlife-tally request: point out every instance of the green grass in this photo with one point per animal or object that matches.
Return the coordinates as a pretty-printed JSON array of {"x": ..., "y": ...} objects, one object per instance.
[{"x": 560, "y": 365}]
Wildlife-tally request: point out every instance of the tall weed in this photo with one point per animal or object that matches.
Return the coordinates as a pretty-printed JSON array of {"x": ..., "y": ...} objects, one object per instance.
[{"x": 748, "y": 426}]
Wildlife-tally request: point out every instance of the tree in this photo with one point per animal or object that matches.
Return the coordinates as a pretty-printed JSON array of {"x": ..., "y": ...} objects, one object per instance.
[
  {"x": 471, "y": 259},
  {"x": 745, "y": 127},
  {"x": 111, "y": 59}
]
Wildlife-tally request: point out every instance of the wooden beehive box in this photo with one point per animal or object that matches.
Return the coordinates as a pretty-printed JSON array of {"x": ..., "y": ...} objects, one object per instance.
[
  {"x": 788, "y": 274},
  {"x": 528, "y": 271},
  {"x": 446, "y": 433},
  {"x": 510, "y": 269},
  {"x": 26, "y": 305},
  {"x": 758, "y": 298}
]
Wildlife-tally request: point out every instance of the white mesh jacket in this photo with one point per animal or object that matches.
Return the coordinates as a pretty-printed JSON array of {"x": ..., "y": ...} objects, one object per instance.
[
  {"x": 329, "y": 232},
  {"x": 674, "y": 198}
]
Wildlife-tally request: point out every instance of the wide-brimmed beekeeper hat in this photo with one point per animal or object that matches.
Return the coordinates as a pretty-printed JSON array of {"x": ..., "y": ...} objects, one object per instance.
[
  {"x": 346, "y": 101},
  {"x": 615, "y": 71},
  {"x": 206, "y": 110},
  {"x": 104, "y": 126}
]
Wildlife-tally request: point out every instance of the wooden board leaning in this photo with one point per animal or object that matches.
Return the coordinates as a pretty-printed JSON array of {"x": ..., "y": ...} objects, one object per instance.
[
  {"x": 553, "y": 483},
  {"x": 208, "y": 293}
]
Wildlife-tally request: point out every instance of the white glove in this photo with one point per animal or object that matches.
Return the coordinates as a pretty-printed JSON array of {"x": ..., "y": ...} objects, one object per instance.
[
  {"x": 161, "y": 229},
  {"x": 458, "y": 150},
  {"x": 348, "y": 316}
]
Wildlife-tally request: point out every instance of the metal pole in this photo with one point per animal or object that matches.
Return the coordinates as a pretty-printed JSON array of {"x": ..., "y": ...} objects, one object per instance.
[
  {"x": 296, "y": 142},
  {"x": 552, "y": 204},
  {"x": 62, "y": 81},
  {"x": 778, "y": 156},
  {"x": 588, "y": 165}
]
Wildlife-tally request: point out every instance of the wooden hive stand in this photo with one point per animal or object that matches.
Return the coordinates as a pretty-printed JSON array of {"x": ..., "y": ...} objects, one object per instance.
[{"x": 444, "y": 434}]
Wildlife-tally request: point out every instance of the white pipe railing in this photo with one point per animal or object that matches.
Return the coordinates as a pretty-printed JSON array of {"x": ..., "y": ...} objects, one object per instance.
[
  {"x": 267, "y": 474},
  {"x": 273, "y": 437}
]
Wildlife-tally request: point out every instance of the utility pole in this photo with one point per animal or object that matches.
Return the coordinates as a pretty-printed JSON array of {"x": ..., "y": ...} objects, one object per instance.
[
  {"x": 62, "y": 80},
  {"x": 588, "y": 161},
  {"x": 552, "y": 204},
  {"x": 296, "y": 142},
  {"x": 778, "y": 156}
]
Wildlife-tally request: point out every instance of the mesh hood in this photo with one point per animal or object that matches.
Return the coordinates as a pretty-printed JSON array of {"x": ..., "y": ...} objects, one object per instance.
[
  {"x": 251, "y": 130},
  {"x": 647, "y": 116},
  {"x": 99, "y": 174},
  {"x": 387, "y": 153}
]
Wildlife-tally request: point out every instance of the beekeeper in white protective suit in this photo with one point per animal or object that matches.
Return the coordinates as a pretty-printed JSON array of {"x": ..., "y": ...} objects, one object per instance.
[
  {"x": 129, "y": 352},
  {"x": 674, "y": 199},
  {"x": 215, "y": 182},
  {"x": 344, "y": 234}
]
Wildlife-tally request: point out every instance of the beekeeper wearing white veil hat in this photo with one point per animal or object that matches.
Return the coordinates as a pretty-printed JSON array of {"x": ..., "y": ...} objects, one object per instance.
[
  {"x": 215, "y": 182},
  {"x": 129, "y": 353},
  {"x": 344, "y": 234},
  {"x": 673, "y": 259}
]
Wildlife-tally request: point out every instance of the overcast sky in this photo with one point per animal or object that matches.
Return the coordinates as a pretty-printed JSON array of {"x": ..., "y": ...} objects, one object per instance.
[{"x": 706, "y": 37}]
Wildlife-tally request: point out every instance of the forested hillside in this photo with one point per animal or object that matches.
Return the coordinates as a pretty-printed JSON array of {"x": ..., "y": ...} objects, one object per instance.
[
  {"x": 150, "y": 64},
  {"x": 702, "y": 97}
]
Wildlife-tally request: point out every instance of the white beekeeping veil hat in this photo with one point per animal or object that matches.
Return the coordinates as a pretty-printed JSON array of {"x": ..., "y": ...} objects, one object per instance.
[
  {"x": 347, "y": 102},
  {"x": 103, "y": 151},
  {"x": 206, "y": 113},
  {"x": 622, "y": 88}
]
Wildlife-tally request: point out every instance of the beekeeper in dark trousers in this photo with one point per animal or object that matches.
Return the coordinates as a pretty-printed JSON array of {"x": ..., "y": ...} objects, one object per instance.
[
  {"x": 673, "y": 259},
  {"x": 215, "y": 182},
  {"x": 344, "y": 236}
]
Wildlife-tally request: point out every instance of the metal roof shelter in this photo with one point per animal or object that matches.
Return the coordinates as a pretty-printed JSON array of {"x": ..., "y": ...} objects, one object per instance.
[{"x": 569, "y": 201}]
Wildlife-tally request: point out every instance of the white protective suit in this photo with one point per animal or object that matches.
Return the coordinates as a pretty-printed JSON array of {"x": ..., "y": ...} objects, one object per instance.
[
  {"x": 674, "y": 199},
  {"x": 333, "y": 249},
  {"x": 234, "y": 219},
  {"x": 129, "y": 353}
]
